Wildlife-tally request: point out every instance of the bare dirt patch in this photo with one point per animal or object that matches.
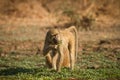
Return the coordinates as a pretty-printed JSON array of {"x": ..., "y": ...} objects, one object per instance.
[{"x": 23, "y": 22}]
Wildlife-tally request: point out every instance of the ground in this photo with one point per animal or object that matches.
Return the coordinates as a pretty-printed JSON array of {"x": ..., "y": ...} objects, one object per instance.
[
  {"x": 90, "y": 66},
  {"x": 23, "y": 26}
]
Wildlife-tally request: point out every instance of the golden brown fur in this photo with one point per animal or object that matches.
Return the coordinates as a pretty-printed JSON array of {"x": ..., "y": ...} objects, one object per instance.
[{"x": 60, "y": 48}]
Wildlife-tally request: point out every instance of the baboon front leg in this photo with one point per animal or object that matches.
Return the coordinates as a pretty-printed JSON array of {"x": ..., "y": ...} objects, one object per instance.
[
  {"x": 60, "y": 58},
  {"x": 54, "y": 61},
  {"x": 49, "y": 61}
]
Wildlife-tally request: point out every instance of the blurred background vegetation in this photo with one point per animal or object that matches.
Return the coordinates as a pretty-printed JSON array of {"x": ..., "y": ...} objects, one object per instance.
[{"x": 24, "y": 23}]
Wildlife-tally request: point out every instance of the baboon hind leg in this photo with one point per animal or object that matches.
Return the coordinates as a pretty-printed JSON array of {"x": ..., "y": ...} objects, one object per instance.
[{"x": 72, "y": 55}]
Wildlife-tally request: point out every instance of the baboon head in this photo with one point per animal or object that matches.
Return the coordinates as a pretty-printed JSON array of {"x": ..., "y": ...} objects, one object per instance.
[{"x": 54, "y": 37}]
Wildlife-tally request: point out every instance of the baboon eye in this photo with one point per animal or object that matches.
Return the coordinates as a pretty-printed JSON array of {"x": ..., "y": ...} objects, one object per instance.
[{"x": 55, "y": 35}]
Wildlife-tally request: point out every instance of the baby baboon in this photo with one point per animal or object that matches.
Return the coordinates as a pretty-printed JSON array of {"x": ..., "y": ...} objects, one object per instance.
[{"x": 60, "y": 48}]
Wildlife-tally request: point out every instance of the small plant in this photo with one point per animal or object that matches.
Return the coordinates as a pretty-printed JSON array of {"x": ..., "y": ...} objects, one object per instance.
[
  {"x": 87, "y": 22},
  {"x": 1, "y": 50},
  {"x": 74, "y": 17},
  {"x": 80, "y": 21}
]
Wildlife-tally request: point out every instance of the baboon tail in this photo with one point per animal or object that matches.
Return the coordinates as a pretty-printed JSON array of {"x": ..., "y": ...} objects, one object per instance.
[{"x": 73, "y": 29}]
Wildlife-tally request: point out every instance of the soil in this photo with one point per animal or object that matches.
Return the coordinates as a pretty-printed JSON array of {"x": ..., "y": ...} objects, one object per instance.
[{"x": 24, "y": 23}]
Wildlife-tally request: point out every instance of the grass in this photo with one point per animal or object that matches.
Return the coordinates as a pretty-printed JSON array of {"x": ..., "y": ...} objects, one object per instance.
[
  {"x": 32, "y": 67},
  {"x": 89, "y": 66}
]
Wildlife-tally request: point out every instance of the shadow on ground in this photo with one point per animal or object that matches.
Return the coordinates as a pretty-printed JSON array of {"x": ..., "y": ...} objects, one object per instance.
[{"x": 17, "y": 70}]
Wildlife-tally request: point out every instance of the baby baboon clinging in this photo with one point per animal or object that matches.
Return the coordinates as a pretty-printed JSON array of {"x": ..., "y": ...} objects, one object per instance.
[{"x": 60, "y": 48}]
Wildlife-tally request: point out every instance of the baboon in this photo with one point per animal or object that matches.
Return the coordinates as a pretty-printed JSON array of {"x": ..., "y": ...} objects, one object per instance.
[{"x": 60, "y": 48}]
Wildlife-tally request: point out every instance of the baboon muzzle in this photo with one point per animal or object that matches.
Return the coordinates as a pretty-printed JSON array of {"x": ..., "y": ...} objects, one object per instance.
[{"x": 55, "y": 41}]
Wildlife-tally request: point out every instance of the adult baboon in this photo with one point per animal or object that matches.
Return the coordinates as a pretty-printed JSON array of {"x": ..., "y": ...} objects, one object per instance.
[{"x": 60, "y": 48}]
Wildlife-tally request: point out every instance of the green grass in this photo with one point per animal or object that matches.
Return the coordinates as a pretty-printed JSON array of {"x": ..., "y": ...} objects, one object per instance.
[{"x": 32, "y": 67}]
